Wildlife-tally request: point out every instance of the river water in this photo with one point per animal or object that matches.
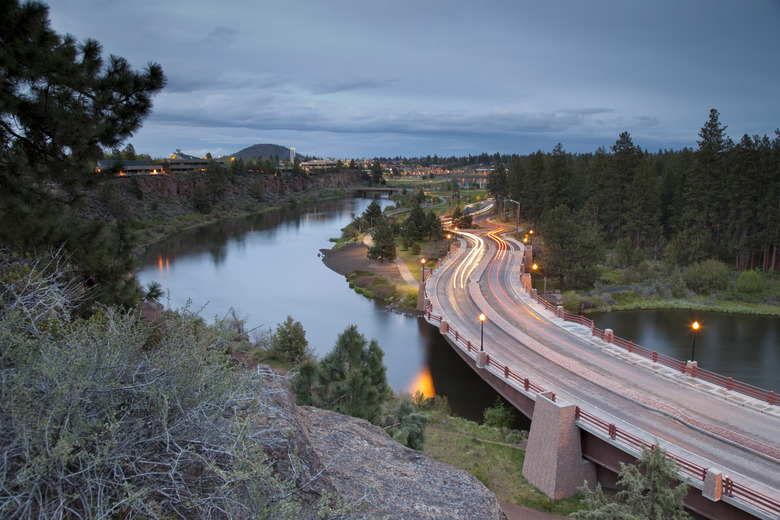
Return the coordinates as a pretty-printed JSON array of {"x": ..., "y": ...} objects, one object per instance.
[
  {"x": 744, "y": 347},
  {"x": 268, "y": 267}
]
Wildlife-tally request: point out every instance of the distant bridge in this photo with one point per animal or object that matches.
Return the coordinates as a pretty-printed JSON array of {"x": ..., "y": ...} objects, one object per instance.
[{"x": 364, "y": 192}]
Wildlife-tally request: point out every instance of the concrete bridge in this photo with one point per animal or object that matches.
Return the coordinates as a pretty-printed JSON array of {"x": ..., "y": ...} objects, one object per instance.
[
  {"x": 595, "y": 403},
  {"x": 363, "y": 192}
]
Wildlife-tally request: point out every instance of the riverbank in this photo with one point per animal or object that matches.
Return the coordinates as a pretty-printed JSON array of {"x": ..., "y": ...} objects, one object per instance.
[{"x": 372, "y": 278}]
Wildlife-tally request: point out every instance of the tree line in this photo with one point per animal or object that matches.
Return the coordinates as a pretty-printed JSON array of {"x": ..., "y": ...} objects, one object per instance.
[{"x": 720, "y": 201}]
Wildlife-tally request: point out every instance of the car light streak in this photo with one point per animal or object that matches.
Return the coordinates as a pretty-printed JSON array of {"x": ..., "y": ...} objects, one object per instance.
[{"x": 467, "y": 266}]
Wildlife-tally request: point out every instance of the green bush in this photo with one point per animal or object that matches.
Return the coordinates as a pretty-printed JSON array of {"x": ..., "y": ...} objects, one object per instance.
[
  {"x": 750, "y": 282},
  {"x": 707, "y": 276},
  {"x": 572, "y": 302},
  {"x": 499, "y": 415}
]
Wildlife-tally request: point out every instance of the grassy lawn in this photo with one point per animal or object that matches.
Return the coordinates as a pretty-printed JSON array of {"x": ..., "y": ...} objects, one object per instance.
[{"x": 495, "y": 456}]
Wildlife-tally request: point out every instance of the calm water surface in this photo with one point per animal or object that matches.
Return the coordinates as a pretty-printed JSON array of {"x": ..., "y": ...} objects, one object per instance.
[
  {"x": 268, "y": 267},
  {"x": 744, "y": 347}
]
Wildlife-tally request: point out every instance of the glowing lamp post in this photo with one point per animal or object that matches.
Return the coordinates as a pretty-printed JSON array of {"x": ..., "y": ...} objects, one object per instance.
[
  {"x": 533, "y": 273},
  {"x": 695, "y": 327},
  {"x": 422, "y": 269},
  {"x": 482, "y": 319}
]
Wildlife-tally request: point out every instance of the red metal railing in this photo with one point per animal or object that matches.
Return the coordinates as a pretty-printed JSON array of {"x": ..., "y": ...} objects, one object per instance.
[
  {"x": 685, "y": 467},
  {"x": 728, "y": 383}
]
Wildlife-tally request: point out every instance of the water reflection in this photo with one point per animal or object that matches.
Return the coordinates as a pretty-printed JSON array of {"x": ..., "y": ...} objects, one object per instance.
[
  {"x": 741, "y": 346},
  {"x": 423, "y": 384}
]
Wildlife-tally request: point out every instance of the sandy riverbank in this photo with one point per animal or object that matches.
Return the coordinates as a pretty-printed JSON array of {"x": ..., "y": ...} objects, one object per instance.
[{"x": 352, "y": 257}]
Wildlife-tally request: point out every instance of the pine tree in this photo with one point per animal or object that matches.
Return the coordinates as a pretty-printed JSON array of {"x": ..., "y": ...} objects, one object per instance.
[
  {"x": 384, "y": 242},
  {"x": 651, "y": 490},
  {"x": 372, "y": 213},
  {"x": 67, "y": 106},
  {"x": 289, "y": 343},
  {"x": 351, "y": 379}
]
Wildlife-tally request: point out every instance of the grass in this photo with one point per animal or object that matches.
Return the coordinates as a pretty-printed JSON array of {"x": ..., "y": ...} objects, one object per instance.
[{"x": 493, "y": 456}]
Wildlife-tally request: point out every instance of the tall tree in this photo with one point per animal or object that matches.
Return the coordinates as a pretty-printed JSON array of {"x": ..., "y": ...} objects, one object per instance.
[
  {"x": 384, "y": 242},
  {"x": 372, "y": 213},
  {"x": 643, "y": 208},
  {"x": 60, "y": 106},
  {"x": 571, "y": 248},
  {"x": 557, "y": 185},
  {"x": 533, "y": 184},
  {"x": 704, "y": 188},
  {"x": 624, "y": 161},
  {"x": 351, "y": 379}
]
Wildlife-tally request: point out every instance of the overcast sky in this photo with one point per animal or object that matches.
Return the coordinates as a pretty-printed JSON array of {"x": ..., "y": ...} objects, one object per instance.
[{"x": 363, "y": 78}]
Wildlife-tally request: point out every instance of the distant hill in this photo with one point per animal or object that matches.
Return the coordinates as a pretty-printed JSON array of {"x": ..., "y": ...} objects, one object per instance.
[{"x": 263, "y": 151}]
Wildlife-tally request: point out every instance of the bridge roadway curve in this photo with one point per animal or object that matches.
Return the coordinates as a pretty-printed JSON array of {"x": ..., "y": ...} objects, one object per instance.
[{"x": 726, "y": 432}]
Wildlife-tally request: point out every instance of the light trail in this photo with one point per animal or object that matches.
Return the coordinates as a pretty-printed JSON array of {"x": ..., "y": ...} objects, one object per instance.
[{"x": 467, "y": 266}]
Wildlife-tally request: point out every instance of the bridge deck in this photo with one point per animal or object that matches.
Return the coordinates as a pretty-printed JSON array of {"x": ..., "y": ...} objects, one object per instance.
[{"x": 643, "y": 401}]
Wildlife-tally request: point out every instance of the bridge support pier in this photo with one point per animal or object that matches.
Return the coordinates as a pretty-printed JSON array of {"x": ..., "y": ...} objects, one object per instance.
[{"x": 553, "y": 458}]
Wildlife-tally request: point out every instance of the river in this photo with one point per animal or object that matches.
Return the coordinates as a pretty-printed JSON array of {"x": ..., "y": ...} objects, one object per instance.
[
  {"x": 268, "y": 266},
  {"x": 741, "y": 346}
]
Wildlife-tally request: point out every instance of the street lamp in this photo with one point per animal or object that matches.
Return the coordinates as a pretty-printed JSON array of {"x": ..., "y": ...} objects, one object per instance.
[
  {"x": 482, "y": 319},
  {"x": 534, "y": 267},
  {"x": 695, "y": 326},
  {"x": 422, "y": 269}
]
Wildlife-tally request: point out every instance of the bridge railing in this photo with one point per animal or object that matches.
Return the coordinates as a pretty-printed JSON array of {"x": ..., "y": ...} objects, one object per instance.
[
  {"x": 685, "y": 467},
  {"x": 729, "y": 383}
]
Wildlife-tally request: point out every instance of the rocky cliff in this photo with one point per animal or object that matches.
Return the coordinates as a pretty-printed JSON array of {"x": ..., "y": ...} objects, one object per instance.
[{"x": 361, "y": 464}]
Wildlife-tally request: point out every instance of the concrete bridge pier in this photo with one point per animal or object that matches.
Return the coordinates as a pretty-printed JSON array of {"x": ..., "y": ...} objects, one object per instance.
[{"x": 553, "y": 458}]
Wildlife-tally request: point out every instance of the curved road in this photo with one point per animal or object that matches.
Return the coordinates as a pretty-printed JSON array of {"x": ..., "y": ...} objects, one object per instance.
[{"x": 715, "y": 429}]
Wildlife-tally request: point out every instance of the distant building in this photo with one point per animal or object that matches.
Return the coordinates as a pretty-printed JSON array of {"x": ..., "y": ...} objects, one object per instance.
[
  {"x": 183, "y": 163},
  {"x": 128, "y": 167},
  {"x": 319, "y": 164}
]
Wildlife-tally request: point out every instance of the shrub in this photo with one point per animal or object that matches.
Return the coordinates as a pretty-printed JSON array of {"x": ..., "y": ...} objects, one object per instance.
[
  {"x": 572, "y": 302},
  {"x": 750, "y": 282},
  {"x": 707, "y": 276},
  {"x": 499, "y": 415}
]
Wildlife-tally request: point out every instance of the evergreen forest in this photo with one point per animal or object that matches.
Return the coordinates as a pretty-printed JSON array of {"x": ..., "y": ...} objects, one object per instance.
[{"x": 720, "y": 201}]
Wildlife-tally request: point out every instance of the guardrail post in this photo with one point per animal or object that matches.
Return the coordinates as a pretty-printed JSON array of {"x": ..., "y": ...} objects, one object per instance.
[
  {"x": 630, "y": 346},
  {"x": 592, "y": 329},
  {"x": 456, "y": 336},
  {"x": 612, "y": 431},
  {"x": 771, "y": 398},
  {"x": 655, "y": 356},
  {"x": 526, "y": 384},
  {"x": 691, "y": 368},
  {"x": 468, "y": 345},
  {"x": 727, "y": 486},
  {"x": 483, "y": 359},
  {"x": 559, "y": 312},
  {"x": 506, "y": 371},
  {"x": 445, "y": 327},
  {"x": 729, "y": 383},
  {"x": 609, "y": 335}
]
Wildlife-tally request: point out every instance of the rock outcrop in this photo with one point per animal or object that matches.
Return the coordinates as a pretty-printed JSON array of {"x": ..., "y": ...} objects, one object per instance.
[
  {"x": 361, "y": 460},
  {"x": 360, "y": 463}
]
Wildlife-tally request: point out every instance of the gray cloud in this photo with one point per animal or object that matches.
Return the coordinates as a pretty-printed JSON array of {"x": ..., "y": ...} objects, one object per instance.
[{"x": 350, "y": 78}]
